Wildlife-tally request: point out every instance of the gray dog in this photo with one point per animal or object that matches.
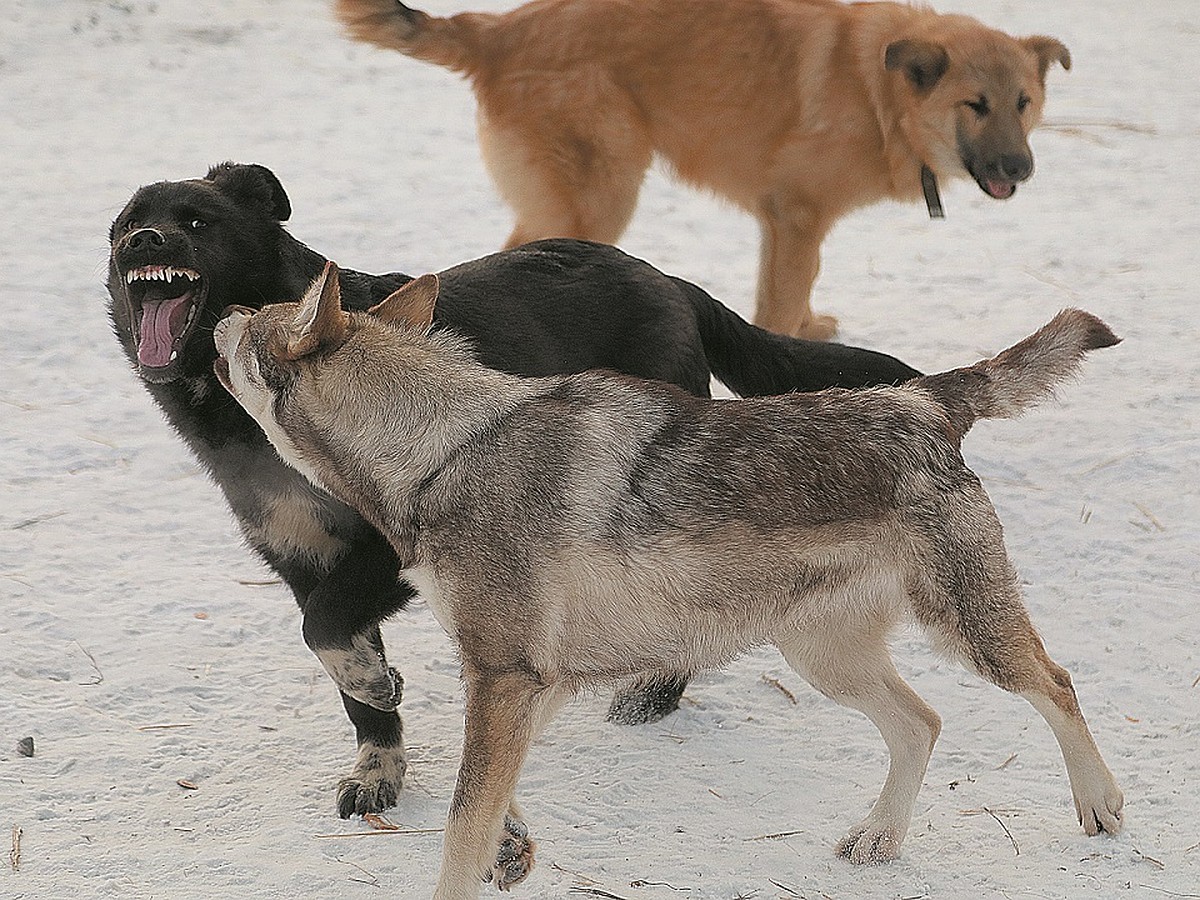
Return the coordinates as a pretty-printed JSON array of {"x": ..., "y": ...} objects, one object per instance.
[{"x": 574, "y": 530}]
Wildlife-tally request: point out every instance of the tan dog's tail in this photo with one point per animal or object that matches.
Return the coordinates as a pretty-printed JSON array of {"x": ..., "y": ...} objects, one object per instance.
[
  {"x": 452, "y": 42},
  {"x": 1008, "y": 383}
]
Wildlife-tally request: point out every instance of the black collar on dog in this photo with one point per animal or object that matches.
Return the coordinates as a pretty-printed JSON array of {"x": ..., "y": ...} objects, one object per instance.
[{"x": 933, "y": 200}]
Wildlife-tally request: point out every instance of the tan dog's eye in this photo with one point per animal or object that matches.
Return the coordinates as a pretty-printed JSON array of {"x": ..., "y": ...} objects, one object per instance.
[
  {"x": 1023, "y": 102},
  {"x": 980, "y": 106}
]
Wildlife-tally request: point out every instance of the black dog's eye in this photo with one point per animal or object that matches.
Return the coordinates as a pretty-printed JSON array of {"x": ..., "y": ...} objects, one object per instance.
[
  {"x": 980, "y": 106},
  {"x": 1022, "y": 103},
  {"x": 197, "y": 224}
]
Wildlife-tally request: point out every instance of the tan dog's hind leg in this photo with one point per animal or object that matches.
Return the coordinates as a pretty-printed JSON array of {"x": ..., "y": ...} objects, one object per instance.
[
  {"x": 789, "y": 260},
  {"x": 851, "y": 664},
  {"x": 564, "y": 179},
  {"x": 485, "y": 839}
]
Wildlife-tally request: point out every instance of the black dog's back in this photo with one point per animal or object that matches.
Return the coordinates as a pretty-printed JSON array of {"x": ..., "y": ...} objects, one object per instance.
[{"x": 561, "y": 306}]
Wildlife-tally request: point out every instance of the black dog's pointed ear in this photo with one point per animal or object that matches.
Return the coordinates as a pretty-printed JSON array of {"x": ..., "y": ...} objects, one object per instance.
[
  {"x": 923, "y": 62},
  {"x": 253, "y": 184}
]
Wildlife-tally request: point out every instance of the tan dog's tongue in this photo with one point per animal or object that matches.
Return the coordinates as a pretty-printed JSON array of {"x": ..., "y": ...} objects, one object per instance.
[
  {"x": 1001, "y": 190},
  {"x": 157, "y": 338}
]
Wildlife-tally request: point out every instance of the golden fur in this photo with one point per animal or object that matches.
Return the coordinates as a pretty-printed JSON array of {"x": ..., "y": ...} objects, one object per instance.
[{"x": 797, "y": 111}]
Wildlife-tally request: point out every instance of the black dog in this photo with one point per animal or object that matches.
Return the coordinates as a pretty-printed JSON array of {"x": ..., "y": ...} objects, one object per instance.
[{"x": 181, "y": 251}]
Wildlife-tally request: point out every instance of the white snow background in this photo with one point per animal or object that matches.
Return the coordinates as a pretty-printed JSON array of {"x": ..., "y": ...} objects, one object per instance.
[{"x": 137, "y": 649}]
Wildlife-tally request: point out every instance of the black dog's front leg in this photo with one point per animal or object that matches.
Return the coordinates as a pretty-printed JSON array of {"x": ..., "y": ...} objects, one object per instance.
[
  {"x": 374, "y": 783},
  {"x": 342, "y": 612}
]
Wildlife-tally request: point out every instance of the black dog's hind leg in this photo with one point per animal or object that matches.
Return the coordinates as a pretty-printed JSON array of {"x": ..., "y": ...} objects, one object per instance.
[{"x": 342, "y": 611}]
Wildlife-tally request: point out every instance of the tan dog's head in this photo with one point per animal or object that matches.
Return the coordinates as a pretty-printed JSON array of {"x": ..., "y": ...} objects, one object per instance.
[
  {"x": 970, "y": 95},
  {"x": 301, "y": 369}
]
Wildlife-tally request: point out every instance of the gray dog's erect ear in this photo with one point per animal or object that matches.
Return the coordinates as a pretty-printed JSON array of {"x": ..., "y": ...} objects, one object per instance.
[
  {"x": 923, "y": 62},
  {"x": 321, "y": 321},
  {"x": 1048, "y": 50},
  {"x": 411, "y": 305}
]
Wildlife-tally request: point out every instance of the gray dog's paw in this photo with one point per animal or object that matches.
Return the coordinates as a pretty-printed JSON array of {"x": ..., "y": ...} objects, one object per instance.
[{"x": 514, "y": 860}]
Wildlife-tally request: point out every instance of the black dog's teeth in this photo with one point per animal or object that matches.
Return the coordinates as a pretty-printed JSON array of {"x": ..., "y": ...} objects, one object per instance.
[{"x": 160, "y": 273}]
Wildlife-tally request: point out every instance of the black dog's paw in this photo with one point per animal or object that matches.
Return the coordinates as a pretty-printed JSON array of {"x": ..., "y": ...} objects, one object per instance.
[
  {"x": 374, "y": 784},
  {"x": 646, "y": 701},
  {"x": 514, "y": 860}
]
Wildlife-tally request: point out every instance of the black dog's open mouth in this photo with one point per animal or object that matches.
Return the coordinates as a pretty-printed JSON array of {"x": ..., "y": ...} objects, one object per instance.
[{"x": 165, "y": 303}]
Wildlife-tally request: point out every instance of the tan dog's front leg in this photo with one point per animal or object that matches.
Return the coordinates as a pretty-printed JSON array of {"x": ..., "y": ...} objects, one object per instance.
[
  {"x": 485, "y": 838},
  {"x": 789, "y": 260}
]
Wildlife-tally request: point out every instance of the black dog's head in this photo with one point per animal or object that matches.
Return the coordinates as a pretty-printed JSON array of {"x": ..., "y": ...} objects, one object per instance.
[{"x": 181, "y": 251}]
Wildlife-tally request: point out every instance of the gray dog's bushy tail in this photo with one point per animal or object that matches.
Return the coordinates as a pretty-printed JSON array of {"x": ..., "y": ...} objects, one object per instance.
[
  {"x": 453, "y": 42},
  {"x": 1013, "y": 380}
]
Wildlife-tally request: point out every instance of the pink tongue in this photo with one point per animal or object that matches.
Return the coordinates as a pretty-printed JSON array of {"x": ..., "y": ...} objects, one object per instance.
[
  {"x": 154, "y": 350},
  {"x": 1001, "y": 190}
]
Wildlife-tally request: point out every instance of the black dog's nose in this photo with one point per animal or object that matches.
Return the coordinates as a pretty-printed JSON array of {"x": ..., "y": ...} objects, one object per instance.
[
  {"x": 145, "y": 239},
  {"x": 1015, "y": 166}
]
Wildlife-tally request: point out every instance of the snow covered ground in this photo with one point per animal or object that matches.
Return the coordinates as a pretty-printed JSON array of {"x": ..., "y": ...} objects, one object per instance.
[{"x": 140, "y": 648}]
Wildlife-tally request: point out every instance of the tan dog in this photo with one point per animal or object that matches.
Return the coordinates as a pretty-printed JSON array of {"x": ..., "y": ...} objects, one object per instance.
[
  {"x": 575, "y": 530},
  {"x": 798, "y": 111}
]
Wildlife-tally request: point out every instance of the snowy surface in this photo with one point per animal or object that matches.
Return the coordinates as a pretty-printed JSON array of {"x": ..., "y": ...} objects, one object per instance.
[{"x": 139, "y": 646}]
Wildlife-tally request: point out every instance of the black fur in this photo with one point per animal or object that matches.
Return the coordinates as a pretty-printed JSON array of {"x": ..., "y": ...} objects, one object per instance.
[{"x": 555, "y": 306}]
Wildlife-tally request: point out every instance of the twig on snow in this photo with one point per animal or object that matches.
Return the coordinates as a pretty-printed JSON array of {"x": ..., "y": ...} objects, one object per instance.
[
  {"x": 775, "y": 683},
  {"x": 772, "y": 837},
  {"x": 99, "y": 675},
  {"x": 349, "y": 834},
  {"x": 642, "y": 882},
  {"x": 374, "y": 882},
  {"x": 1157, "y": 863},
  {"x": 1012, "y": 840},
  {"x": 164, "y": 726},
  {"x": 1113, "y": 124},
  {"x": 14, "y": 855},
  {"x": 1158, "y": 526}
]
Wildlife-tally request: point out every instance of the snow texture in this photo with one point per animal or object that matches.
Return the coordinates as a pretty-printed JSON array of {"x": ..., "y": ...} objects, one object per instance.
[{"x": 140, "y": 646}]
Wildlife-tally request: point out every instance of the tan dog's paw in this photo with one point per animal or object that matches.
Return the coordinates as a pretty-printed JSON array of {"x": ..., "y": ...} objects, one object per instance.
[
  {"x": 870, "y": 843},
  {"x": 515, "y": 858},
  {"x": 818, "y": 328}
]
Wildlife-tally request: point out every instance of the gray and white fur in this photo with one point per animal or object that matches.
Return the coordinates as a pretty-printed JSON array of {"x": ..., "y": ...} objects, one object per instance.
[{"x": 573, "y": 531}]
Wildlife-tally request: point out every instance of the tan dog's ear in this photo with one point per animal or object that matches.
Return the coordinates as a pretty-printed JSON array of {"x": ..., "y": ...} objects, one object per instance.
[
  {"x": 1048, "y": 50},
  {"x": 923, "y": 62},
  {"x": 321, "y": 320},
  {"x": 410, "y": 305}
]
